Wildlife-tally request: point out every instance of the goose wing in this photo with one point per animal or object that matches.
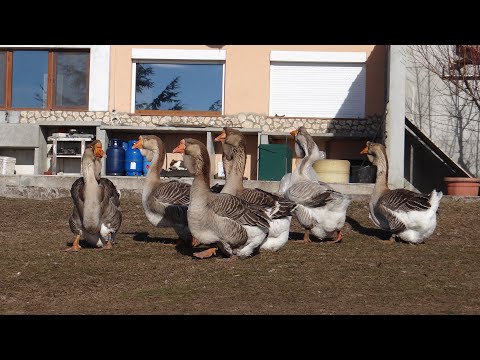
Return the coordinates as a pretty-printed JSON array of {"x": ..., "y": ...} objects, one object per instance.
[
  {"x": 264, "y": 198},
  {"x": 78, "y": 198},
  {"x": 229, "y": 206},
  {"x": 400, "y": 200},
  {"x": 310, "y": 193},
  {"x": 110, "y": 191},
  {"x": 172, "y": 192},
  {"x": 110, "y": 205}
]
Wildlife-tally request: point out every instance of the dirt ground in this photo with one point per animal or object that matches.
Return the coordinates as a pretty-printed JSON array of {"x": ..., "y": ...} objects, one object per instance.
[{"x": 146, "y": 273}]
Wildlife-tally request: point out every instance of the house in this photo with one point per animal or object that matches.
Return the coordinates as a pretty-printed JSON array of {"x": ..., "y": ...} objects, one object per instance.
[
  {"x": 338, "y": 92},
  {"x": 440, "y": 114}
]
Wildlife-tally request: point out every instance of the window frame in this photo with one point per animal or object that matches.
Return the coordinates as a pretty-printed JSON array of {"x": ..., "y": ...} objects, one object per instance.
[
  {"x": 176, "y": 56},
  {"x": 51, "y": 80},
  {"x": 3, "y": 102}
]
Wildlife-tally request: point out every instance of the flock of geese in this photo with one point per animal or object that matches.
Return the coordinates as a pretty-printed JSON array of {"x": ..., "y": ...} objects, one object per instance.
[{"x": 239, "y": 221}]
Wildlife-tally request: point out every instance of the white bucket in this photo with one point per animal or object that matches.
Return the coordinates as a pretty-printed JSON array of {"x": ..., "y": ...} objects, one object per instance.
[
  {"x": 7, "y": 165},
  {"x": 333, "y": 171}
]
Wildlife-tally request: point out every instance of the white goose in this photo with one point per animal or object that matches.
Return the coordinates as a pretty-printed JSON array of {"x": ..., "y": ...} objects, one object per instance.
[
  {"x": 234, "y": 160},
  {"x": 96, "y": 215},
  {"x": 236, "y": 226},
  {"x": 409, "y": 215},
  {"x": 322, "y": 210}
]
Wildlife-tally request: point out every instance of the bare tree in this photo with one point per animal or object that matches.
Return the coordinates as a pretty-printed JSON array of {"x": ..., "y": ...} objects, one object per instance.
[{"x": 458, "y": 68}]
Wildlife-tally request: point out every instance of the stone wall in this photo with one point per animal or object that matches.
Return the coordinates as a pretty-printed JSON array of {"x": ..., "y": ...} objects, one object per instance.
[{"x": 341, "y": 127}]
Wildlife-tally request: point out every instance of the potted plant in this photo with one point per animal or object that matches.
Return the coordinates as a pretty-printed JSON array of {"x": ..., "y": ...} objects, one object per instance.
[{"x": 462, "y": 186}]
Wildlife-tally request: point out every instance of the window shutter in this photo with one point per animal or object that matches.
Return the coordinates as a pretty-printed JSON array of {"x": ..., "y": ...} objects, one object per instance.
[{"x": 327, "y": 90}]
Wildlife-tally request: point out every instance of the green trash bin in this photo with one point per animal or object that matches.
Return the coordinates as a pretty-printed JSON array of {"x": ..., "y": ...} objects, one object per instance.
[{"x": 275, "y": 160}]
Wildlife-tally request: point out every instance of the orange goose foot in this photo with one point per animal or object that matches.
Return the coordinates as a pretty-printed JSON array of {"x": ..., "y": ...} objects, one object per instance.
[
  {"x": 73, "y": 248},
  {"x": 338, "y": 238},
  {"x": 108, "y": 246},
  {"x": 195, "y": 242},
  {"x": 390, "y": 241},
  {"x": 306, "y": 237},
  {"x": 76, "y": 246},
  {"x": 206, "y": 253}
]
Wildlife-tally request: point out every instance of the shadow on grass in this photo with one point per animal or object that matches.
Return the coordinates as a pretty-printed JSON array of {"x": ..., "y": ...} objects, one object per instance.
[
  {"x": 357, "y": 227},
  {"x": 298, "y": 236},
  {"x": 180, "y": 246}
]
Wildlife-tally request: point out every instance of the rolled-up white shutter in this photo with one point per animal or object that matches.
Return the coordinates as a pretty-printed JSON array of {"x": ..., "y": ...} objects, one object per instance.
[{"x": 324, "y": 89}]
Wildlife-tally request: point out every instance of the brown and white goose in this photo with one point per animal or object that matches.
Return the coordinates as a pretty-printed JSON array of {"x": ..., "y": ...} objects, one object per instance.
[
  {"x": 165, "y": 203},
  {"x": 237, "y": 227},
  {"x": 322, "y": 210},
  {"x": 96, "y": 215},
  {"x": 409, "y": 215},
  {"x": 234, "y": 161}
]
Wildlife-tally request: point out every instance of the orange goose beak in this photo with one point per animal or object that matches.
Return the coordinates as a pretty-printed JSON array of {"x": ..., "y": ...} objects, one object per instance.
[
  {"x": 294, "y": 132},
  {"x": 180, "y": 148},
  {"x": 138, "y": 144},
  {"x": 365, "y": 150},
  {"x": 221, "y": 137},
  {"x": 98, "y": 151}
]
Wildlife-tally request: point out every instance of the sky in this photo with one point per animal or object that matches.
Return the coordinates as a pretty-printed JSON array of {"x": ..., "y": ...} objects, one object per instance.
[{"x": 29, "y": 70}]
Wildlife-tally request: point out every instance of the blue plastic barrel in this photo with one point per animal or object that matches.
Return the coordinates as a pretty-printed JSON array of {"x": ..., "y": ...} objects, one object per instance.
[
  {"x": 133, "y": 160},
  {"x": 146, "y": 165},
  {"x": 115, "y": 158}
]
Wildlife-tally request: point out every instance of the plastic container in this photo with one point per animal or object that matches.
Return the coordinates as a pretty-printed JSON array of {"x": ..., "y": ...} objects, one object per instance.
[
  {"x": 275, "y": 160},
  {"x": 146, "y": 165},
  {"x": 462, "y": 186},
  {"x": 115, "y": 158},
  {"x": 133, "y": 160},
  {"x": 7, "y": 165},
  {"x": 333, "y": 171}
]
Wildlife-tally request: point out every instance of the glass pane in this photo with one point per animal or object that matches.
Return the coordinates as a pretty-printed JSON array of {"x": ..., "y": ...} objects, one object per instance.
[
  {"x": 3, "y": 60},
  {"x": 30, "y": 79},
  {"x": 188, "y": 87},
  {"x": 71, "y": 79}
]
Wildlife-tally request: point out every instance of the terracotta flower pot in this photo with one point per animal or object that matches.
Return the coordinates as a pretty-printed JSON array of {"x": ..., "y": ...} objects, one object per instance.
[{"x": 462, "y": 186}]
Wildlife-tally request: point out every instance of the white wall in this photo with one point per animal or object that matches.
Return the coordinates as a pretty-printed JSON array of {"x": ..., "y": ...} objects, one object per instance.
[{"x": 430, "y": 105}]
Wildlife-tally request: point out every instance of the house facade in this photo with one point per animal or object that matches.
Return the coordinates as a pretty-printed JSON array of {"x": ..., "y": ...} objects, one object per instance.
[
  {"x": 446, "y": 116},
  {"x": 338, "y": 92}
]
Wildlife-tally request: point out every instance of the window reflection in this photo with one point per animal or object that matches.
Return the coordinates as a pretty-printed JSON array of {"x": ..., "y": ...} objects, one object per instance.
[
  {"x": 187, "y": 87},
  {"x": 30, "y": 79},
  {"x": 71, "y": 79}
]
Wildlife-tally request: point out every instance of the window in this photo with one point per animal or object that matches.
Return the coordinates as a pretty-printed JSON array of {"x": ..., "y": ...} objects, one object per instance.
[
  {"x": 317, "y": 84},
  {"x": 44, "y": 79},
  {"x": 179, "y": 87},
  {"x": 178, "y": 82}
]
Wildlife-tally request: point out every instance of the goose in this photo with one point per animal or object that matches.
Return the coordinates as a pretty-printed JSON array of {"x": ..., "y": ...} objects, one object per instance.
[
  {"x": 165, "y": 203},
  {"x": 321, "y": 210},
  {"x": 234, "y": 160},
  {"x": 408, "y": 215},
  {"x": 96, "y": 215},
  {"x": 309, "y": 154},
  {"x": 237, "y": 227}
]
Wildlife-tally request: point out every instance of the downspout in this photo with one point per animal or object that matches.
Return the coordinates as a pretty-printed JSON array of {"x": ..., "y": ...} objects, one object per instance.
[{"x": 395, "y": 119}]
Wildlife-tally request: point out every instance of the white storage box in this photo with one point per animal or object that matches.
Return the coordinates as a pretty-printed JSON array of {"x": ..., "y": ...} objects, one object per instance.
[{"x": 7, "y": 165}]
